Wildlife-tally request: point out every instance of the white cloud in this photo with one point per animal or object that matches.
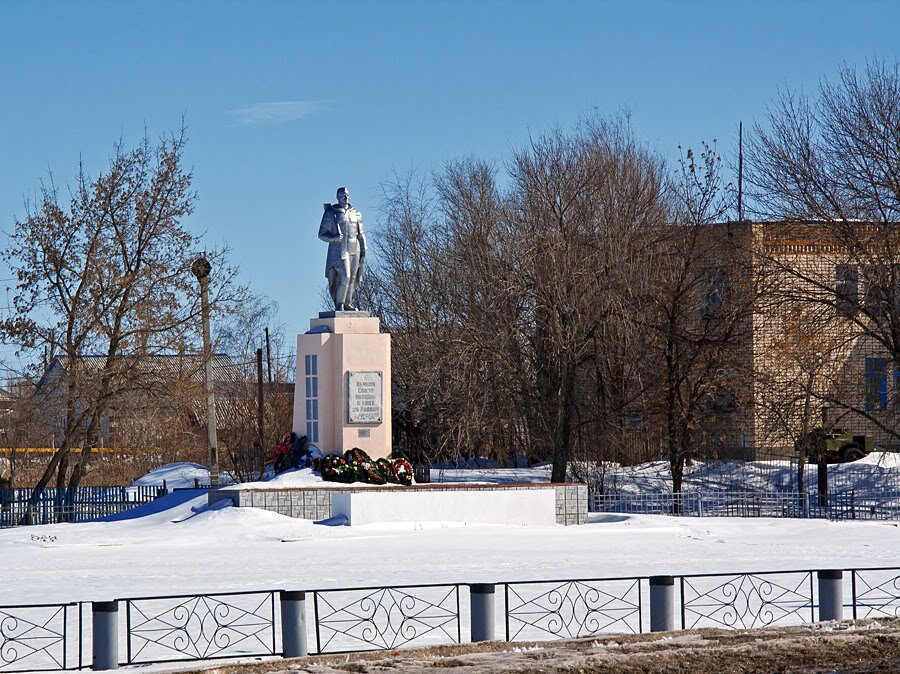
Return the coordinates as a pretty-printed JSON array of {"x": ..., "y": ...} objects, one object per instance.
[{"x": 275, "y": 112}]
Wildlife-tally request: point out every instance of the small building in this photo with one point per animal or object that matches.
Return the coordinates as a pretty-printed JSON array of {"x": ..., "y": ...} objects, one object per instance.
[{"x": 157, "y": 400}]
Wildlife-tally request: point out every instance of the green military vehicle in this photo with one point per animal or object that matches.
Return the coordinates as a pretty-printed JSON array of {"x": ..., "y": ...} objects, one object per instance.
[{"x": 835, "y": 446}]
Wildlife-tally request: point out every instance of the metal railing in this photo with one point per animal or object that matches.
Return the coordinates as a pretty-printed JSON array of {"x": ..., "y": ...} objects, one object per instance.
[
  {"x": 20, "y": 507},
  {"x": 747, "y": 600},
  {"x": 386, "y": 618},
  {"x": 248, "y": 624},
  {"x": 875, "y": 592},
  {"x": 862, "y": 505},
  {"x": 200, "y": 627},
  {"x": 41, "y": 637},
  {"x": 572, "y": 608}
]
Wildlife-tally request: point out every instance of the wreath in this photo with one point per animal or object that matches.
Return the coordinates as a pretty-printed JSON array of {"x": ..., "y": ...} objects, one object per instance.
[
  {"x": 290, "y": 452},
  {"x": 357, "y": 466},
  {"x": 403, "y": 471},
  {"x": 334, "y": 468}
]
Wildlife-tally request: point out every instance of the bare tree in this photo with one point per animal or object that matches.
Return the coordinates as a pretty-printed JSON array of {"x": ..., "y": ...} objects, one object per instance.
[
  {"x": 20, "y": 430},
  {"x": 428, "y": 298},
  {"x": 240, "y": 334},
  {"x": 803, "y": 362},
  {"x": 509, "y": 304},
  {"x": 106, "y": 274},
  {"x": 827, "y": 168},
  {"x": 698, "y": 313},
  {"x": 584, "y": 204}
]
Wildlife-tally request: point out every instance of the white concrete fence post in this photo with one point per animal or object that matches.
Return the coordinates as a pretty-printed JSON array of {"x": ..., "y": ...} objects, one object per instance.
[
  {"x": 481, "y": 603},
  {"x": 106, "y": 634},
  {"x": 831, "y": 594},
  {"x": 293, "y": 624},
  {"x": 662, "y": 603}
]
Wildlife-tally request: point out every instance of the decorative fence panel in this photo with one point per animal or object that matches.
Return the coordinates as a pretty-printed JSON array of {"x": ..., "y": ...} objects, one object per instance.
[
  {"x": 200, "y": 627},
  {"x": 386, "y": 617},
  {"x": 747, "y": 600},
  {"x": 876, "y": 593},
  {"x": 571, "y": 609},
  {"x": 40, "y": 637}
]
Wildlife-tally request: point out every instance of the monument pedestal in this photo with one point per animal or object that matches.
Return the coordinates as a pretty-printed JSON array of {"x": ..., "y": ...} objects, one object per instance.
[{"x": 342, "y": 391}]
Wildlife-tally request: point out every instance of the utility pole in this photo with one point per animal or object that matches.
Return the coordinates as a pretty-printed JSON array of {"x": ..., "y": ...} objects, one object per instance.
[
  {"x": 259, "y": 408},
  {"x": 268, "y": 355},
  {"x": 740, "y": 196},
  {"x": 201, "y": 269}
]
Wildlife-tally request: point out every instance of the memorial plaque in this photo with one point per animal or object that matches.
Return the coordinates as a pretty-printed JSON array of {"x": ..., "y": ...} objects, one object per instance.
[{"x": 364, "y": 397}]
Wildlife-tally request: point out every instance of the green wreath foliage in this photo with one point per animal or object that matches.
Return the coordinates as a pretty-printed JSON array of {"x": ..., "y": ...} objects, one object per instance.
[{"x": 357, "y": 466}]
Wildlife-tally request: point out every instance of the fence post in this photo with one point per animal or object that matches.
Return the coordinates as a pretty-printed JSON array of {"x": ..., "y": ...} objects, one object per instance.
[
  {"x": 293, "y": 624},
  {"x": 831, "y": 596},
  {"x": 481, "y": 603},
  {"x": 662, "y": 603},
  {"x": 106, "y": 634}
]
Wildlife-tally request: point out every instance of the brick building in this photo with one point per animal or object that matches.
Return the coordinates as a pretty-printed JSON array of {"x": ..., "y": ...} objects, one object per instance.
[{"x": 824, "y": 330}]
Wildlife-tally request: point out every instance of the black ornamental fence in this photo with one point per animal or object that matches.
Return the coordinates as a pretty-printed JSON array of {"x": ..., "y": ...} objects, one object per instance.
[{"x": 279, "y": 623}]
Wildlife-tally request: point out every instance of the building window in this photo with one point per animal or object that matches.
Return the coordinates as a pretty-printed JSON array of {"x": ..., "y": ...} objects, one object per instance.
[
  {"x": 876, "y": 383},
  {"x": 718, "y": 401},
  {"x": 716, "y": 291},
  {"x": 311, "y": 371},
  {"x": 882, "y": 289},
  {"x": 846, "y": 289},
  {"x": 634, "y": 420},
  {"x": 895, "y": 394}
]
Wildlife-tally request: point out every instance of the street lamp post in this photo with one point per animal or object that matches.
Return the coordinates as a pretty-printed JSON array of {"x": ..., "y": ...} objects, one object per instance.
[{"x": 201, "y": 269}]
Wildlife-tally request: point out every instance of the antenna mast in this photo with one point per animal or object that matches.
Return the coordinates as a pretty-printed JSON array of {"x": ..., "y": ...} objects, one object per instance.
[{"x": 740, "y": 203}]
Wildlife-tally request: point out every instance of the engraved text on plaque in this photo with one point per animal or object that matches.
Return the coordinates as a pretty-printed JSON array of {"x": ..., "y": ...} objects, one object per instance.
[{"x": 364, "y": 397}]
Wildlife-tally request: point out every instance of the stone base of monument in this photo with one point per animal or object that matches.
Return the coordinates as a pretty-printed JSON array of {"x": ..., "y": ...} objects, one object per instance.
[
  {"x": 342, "y": 392},
  {"x": 509, "y": 504}
]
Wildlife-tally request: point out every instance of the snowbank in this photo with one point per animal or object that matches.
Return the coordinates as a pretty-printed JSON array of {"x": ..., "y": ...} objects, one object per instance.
[{"x": 177, "y": 475}]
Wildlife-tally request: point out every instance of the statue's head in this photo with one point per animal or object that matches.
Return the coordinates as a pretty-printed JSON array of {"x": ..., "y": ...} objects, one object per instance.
[{"x": 343, "y": 196}]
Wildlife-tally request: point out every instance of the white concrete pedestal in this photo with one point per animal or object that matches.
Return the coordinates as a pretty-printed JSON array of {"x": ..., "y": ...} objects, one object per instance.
[
  {"x": 342, "y": 391},
  {"x": 512, "y": 507}
]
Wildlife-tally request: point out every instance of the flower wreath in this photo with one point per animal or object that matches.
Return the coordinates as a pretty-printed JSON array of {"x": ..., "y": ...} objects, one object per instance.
[
  {"x": 291, "y": 452},
  {"x": 357, "y": 466},
  {"x": 402, "y": 471},
  {"x": 334, "y": 468}
]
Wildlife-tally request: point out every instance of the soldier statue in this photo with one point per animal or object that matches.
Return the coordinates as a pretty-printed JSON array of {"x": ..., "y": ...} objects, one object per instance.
[{"x": 342, "y": 229}]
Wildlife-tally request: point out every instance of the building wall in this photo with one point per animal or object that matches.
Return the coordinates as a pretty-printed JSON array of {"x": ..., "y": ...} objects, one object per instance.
[{"x": 804, "y": 341}]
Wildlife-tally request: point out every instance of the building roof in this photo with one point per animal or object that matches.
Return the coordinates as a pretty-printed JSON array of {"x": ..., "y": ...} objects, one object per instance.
[{"x": 187, "y": 367}]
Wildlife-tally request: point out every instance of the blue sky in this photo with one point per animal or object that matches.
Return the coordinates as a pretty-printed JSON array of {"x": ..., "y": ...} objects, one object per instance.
[{"x": 286, "y": 101}]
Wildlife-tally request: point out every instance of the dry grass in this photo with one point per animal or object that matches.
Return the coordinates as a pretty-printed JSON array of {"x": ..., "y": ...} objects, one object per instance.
[
  {"x": 111, "y": 467},
  {"x": 849, "y": 648}
]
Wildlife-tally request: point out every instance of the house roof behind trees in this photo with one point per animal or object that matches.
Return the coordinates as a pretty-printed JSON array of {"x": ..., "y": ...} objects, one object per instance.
[{"x": 184, "y": 367}]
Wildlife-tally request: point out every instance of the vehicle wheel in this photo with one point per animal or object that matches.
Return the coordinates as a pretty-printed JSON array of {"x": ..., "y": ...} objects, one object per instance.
[{"x": 852, "y": 453}]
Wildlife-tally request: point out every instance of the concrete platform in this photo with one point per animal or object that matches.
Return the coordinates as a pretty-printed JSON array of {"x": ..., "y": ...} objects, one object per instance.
[{"x": 513, "y": 504}]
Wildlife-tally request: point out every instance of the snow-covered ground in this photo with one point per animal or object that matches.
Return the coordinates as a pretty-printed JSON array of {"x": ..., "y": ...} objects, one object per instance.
[
  {"x": 178, "y": 546},
  {"x": 181, "y": 475},
  {"x": 878, "y": 470}
]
